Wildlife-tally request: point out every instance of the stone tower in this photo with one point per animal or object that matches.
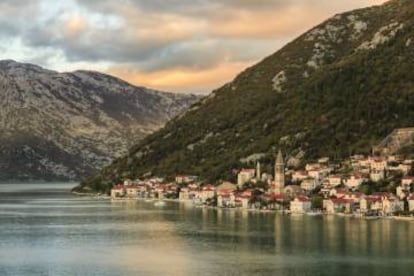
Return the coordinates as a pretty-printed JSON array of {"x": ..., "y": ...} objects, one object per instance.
[
  {"x": 279, "y": 183},
  {"x": 258, "y": 172}
]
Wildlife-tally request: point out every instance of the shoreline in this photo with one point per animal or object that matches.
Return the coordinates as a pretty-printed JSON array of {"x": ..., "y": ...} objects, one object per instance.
[{"x": 288, "y": 213}]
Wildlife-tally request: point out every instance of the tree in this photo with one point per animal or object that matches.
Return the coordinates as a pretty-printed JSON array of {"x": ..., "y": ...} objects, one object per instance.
[{"x": 317, "y": 202}]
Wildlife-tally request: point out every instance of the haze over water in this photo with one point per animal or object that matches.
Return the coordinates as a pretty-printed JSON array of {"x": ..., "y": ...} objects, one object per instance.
[{"x": 46, "y": 231}]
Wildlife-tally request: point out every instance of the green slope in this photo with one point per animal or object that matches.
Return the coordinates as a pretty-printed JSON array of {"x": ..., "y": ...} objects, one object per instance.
[{"x": 344, "y": 85}]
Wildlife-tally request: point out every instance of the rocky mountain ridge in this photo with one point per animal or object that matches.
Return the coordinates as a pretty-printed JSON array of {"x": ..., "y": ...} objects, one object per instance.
[{"x": 68, "y": 125}]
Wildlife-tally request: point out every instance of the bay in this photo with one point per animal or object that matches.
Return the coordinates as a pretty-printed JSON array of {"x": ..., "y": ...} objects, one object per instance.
[{"x": 44, "y": 230}]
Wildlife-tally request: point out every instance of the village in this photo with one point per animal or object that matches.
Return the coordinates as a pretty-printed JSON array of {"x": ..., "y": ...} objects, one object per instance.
[{"x": 362, "y": 186}]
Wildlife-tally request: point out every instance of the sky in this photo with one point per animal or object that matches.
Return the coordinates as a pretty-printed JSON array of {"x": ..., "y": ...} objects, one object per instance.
[{"x": 185, "y": 46}]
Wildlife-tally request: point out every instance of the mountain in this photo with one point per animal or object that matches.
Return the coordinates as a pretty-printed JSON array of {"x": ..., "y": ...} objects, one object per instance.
[
  {"x": 68, "y": 125},
  {"x": 338, "y": 89}
]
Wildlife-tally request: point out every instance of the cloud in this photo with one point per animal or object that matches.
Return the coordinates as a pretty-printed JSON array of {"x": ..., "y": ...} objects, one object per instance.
[
  {"x": 165, "y": 44},
  {"x": 181, "y": 80}
]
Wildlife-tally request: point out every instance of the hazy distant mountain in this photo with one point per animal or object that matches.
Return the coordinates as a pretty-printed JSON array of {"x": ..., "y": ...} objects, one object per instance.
[
  {"x": 68, "y": 125},
  {"x": 337, "y": 89}
]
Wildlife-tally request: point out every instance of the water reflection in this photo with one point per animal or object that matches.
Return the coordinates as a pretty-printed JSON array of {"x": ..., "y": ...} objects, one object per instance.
[{"x": 53, "y": 233}]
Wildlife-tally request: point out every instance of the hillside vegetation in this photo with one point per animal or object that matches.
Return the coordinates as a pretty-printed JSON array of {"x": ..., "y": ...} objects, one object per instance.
[{"x": 336, "y": 90}]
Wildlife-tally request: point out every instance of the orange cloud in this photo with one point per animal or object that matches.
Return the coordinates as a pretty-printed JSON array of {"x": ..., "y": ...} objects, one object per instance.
[
  {"x": 273, "y": 23},
  {"x": 75, "y": 25},
  {"x": 181, "y": 80}
]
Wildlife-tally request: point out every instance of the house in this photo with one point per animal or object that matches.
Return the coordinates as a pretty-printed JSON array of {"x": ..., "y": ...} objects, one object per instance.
[
  {"x": 402, "y": 191},
  {"x": 378, "y": 164},
  {"x": 407, "y": 181},
  {"x": 298, "y": 176},
  {"x": 242, "y": 200},
  {"x": 226, "y": 186},
  {"x": 354, "y": 181},
  {"x": 132, "y": 191},
  {"x": 404, "y": 168},
  {"x": 334, "y": 180},
  {"x": 226, "y": 200},
  {"x": 293, "y": 190},
  {"x": 309, "y": 184},
  {"x": 312, "y": 167},
  {"x": 276, "y": 201},
  {"x": 160, "y": 190},
  {"x": 338, "y": 192},
  {"x": 315, "y": 174},
  {"x": 377, "y": 175},
  {"x": 185, "y": 179},
  {"x": 118, "y": 191},
  {"x": 184, "y": 194},
  {"x": 391, "y": 205},
  {"x": 188, "y": 193},
  {"x": 300, "y": 205},
  {"x": 207, "y": 192},
  {"x": 337, "y": 205},
  {"x": 244, "y": 176},
  {"x": 411, "y": 203},
  {"x": 354, "y": 196},
  {"x": 370, "y": 204}
]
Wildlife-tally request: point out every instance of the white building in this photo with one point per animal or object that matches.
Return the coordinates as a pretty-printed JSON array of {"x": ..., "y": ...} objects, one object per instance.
[
  {"x": 184, "y": 179},
  {"x": 337, "y": 205},
  {"x": 245, "y": 176},
  {"x": 132, "y": 191},
  {"x": 354, "y": 181},
  {"x": 298, "y": 176},
  {"x": 118, "y": 191},
  {"x": 377, "y": 175},
  {"x": 300, "y": 205},
  {"x": 378, "y": 164},
  {"x": 407, "y": 180},
  {"x": 334, "y": 180},
  {"x": 391, "y": 205},
  {"x": 206, "y": 192},
  {"x": 411, "y": 203},
  {"x": 309, "y": 184}
]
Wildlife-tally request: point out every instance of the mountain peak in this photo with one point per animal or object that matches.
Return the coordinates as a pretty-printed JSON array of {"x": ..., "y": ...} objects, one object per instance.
[{"x": 68, "y": 125}]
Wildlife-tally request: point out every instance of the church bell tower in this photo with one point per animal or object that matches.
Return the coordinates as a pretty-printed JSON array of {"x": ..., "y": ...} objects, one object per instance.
[{"x": 279, "y": 183}]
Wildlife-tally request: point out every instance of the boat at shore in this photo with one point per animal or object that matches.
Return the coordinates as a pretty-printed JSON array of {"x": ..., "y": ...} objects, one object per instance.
[
  {"x": 314, "y": 213},
  {"x": 372, "y": 217}
]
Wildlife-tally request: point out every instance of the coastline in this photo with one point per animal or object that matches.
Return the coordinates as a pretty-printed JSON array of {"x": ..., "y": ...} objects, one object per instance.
[{"x": 282, "y": 212}]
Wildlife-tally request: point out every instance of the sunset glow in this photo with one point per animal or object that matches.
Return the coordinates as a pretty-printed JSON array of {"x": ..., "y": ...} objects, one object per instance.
[{"x": 179, "y": 45}]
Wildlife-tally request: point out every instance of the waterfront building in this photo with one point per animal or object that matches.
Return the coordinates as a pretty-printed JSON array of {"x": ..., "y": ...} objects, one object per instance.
[
  {"x": 132, "y": 191},
  {"x": 118, "y": 191},
  {"x": 411, "y": 203},
  {"x": 207, "y": 192},
  {"x": 337, "y": 205},
  {"x": 227, "y": 200},
  {"x": 300, "y": 205},
  {"x": 391, "y": 205}
]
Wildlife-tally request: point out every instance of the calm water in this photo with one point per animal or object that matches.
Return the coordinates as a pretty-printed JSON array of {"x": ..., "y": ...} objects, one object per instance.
[{"x": 46, "y": 231}]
